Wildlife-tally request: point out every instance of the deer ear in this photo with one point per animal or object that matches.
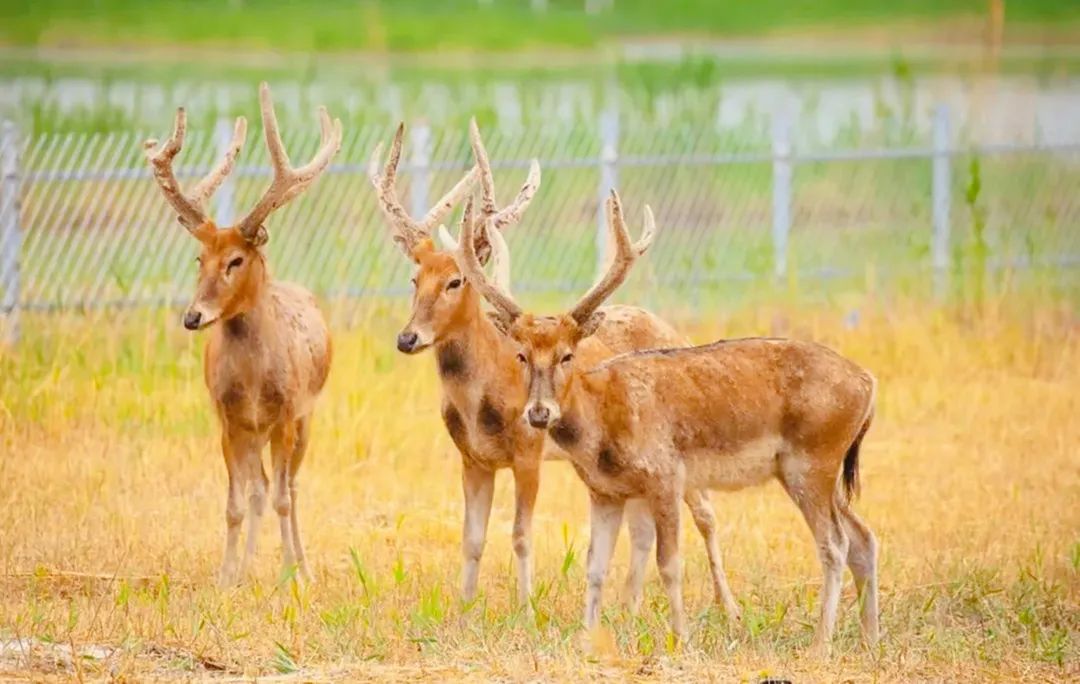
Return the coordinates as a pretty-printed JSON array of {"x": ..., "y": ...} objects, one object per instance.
[
  {"x": 413, "y": 252},
  {"x": 204, "y": 232},
  {"x": 259, "y": 238},
  {"x": 591, "y": 325}
]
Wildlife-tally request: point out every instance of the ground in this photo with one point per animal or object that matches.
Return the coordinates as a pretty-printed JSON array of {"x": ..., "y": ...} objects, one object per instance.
[{"x": 114, "y": 489}]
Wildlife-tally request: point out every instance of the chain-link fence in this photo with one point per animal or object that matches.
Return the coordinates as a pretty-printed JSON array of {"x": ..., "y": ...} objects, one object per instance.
[{"x": 83, "y": 225}]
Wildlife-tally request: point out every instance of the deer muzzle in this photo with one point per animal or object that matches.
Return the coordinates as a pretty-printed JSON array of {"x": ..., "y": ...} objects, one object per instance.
[
  {"x": 542, "y": 414},
  {"x": 192, "y": 319},
  {"x": 198, "y": 317},
  {"x": 414, "y": 339},
  {"x": 406, "y": 341}
]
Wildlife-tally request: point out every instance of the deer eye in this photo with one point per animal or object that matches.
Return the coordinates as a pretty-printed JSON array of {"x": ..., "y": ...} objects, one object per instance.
[
  {"x": 235, "y": 263},
  {"x": 453, "y": 284},
  {"x": 521, "y": 358},
  {"x": 567, "y": 359},
  {"x": 413, "y": 281}
]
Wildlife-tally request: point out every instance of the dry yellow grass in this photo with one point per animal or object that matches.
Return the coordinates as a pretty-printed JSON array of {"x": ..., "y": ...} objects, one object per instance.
[{"x": 112, "y": 495}]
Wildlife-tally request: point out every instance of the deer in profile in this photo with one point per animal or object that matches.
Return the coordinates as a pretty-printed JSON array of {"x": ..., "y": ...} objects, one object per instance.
[
  {"x": 483, "y": 390},
  {"x": 652, "y": 424},
  {"x": 268, "y": 352}
]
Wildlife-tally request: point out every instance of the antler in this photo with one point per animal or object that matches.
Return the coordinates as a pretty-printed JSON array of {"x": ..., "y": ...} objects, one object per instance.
[
  {"x": 625, "y": 256},
  {"x": 500, "y": 263},
  {"x": 407, "y": 231},
  {"x": 190, "y": 208},
  {"x": 473, "y": 270},
  {"x": 490, "y": 214},
  {"x": 288, "y": 181}
]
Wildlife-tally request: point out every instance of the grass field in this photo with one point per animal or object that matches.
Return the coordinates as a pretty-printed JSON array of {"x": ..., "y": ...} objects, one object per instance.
[
  {"x": 500, "y": 25},
  {"x": 112, "y": 486},
  {"x": 114, "y": 491}
]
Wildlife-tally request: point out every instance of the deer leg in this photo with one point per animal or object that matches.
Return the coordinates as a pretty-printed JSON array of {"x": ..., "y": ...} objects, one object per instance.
[
  {"x": 526, "y": 484},
  {"x": 257, "y": 483},
  {"x": 605, "y": 518},
  {"x": 303, "y": 434},
  {"x": 234, "y": 511},
  {"x": 479, "y": 487},
  {"x": 815, "y": 500},
  {"x": 665, "y": 510},
  {"x": 862, "y": 559},
  {"x": 705, "y": 519},
  {"x": 642, "y": 529},
  {"x": 282, "y": 446}
]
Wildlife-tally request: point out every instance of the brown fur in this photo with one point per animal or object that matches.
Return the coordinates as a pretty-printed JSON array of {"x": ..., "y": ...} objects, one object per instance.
[
  {"x": 661, "y": 425},
  {"x": 483, "y": 384},
  {"x": 735, "y": 413},
  {"x": 268, "y": 359},
  {"x": 484, "y": 392},
  {"x": 264, "y": 366}
]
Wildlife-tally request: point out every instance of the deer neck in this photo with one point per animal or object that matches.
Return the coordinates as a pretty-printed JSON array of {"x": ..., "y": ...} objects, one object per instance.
[
  {"x": 578, "y": 419},
  {"x": 254, "y": 315},
  {"x": 589, "y": 402},
  {"x": 474, "y": 352}
]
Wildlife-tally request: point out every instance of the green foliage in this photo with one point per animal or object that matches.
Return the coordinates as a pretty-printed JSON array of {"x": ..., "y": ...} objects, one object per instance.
[
  {"x": 431, "y": 610},
  {"x": 284, "y": 661},
  {"x": 569, "y": 553},
  {"x": 358, "y": 569},
  {"x": 972, "y": 252},
  {"x": 467, "y": 25}
]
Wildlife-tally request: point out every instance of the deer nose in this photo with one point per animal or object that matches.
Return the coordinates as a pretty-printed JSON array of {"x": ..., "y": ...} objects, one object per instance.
[
  {"x": 406, "y": 341},
  {"x": 192, "y": 320},
  {"x": 539, "y": 416}
]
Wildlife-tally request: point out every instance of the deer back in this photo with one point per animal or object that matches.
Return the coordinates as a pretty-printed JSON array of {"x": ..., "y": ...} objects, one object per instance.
[{"x": 726, "y": 412}]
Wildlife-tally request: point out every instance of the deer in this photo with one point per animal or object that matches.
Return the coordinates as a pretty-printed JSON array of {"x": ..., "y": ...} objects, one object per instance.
[
  {"x": 482, "y": 388},
  {"x": 653, "y": 423},
  {"x": 267, "y": 356}
]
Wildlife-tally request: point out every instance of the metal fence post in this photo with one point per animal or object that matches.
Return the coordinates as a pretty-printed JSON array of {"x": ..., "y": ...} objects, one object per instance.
[
  {"x": 226, "y": 194},
  {"x": 942, "y": 199},
  {"x": 609, "y": 178},
  {"x": 10, "y": 231},
  {"x": 782, "y": 196},
  {"x": 420, "y": 141}
]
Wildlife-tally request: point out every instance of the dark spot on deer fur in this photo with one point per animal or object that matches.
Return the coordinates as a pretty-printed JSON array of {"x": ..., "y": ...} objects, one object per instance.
[
  {"x": 455, "y": 426},
  {"x": 451, "y": 360},
  {"x": 608, "y": 460},
  {"x": 233, "y": 395},
  {"x": 237, "y": 327},
  {"x": 565, "y": 432},
  {"x": 271, "y": 396},
  {"x": 490, "y": 418}
]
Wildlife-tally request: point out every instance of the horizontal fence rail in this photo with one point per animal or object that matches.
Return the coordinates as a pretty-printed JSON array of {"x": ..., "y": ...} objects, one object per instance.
[{"x": 83, "y": 225}]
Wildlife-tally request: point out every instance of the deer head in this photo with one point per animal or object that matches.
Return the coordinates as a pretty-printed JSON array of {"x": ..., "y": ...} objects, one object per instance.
[
  {"x": 547, "y": 344},
  {"x": 232, "y": 265},
  {"x": 442, "y": 298}
]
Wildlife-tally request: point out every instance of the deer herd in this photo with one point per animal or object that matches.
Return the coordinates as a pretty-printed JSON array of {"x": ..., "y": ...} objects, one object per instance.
[{"x": 646, "y": 419}]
